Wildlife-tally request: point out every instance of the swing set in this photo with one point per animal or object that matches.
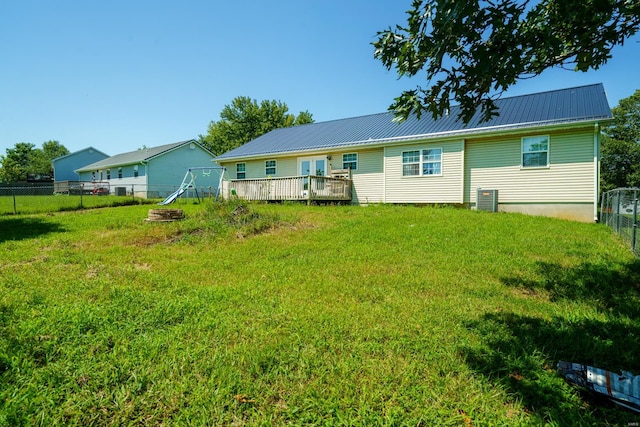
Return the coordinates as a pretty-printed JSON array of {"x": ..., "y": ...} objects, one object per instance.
[{"x": 189, "y": 181}]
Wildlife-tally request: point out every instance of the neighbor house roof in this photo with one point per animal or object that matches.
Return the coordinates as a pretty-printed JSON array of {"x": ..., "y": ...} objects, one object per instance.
[
  {"x": 79, "y": 151},
  {"x": 133, "y": 157},
  {"x": 578, "y": 104}
]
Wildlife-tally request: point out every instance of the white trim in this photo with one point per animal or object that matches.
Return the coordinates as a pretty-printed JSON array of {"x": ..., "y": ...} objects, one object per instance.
[
  {"x": 244, "y": 171},
  {"x": 356, "y": 162},
  {"x": 522, "y": 152},
  {"x": 421, "y": 162},
  {"x": 384, "y": 174},
  {"x": 275, "y": 167},
  {"x": 596, "y": 169},
  {"x": 462, "y": 169},
  {"x": 312, "y": 164}
]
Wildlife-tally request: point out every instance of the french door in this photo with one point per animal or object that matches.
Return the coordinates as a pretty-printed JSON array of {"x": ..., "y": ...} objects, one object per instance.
[{"x": 316, "y": 166}]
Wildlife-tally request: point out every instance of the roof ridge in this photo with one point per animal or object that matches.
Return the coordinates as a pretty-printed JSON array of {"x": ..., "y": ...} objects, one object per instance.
[
  {"x": 458, "y": 105},
  {"x": 549, "y": 91}
]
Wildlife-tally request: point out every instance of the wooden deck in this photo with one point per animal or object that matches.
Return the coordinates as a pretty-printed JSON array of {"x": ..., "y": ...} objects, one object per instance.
[{"x": 305, "y": 188}]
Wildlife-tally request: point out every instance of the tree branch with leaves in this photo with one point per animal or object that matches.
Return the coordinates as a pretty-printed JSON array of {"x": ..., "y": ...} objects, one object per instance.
[{"x": 473, "y": 51}]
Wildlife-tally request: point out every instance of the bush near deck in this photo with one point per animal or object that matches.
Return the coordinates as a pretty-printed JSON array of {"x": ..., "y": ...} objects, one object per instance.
[{"x": 286, "y": 314}]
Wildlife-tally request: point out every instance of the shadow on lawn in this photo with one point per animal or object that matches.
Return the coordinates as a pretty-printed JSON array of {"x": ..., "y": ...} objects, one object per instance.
[
  {"x": 520, "y": 352},
  {"x": 26, "y": 228}
]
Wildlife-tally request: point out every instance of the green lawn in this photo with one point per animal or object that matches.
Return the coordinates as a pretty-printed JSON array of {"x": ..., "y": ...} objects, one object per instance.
[
  {"x": 20, "y": 204},
  {"x": 321, "y": 315}
]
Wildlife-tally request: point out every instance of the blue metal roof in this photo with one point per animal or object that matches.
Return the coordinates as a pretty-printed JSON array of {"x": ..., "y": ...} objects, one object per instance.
[{"x": 578, "y": 104}]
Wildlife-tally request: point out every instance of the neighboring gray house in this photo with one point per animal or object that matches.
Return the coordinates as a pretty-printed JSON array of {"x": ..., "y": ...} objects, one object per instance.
[
  {"x": 541, "y": 155},
  {"x": 148, "y": 172},
  {"x": 64, "y": 167}
]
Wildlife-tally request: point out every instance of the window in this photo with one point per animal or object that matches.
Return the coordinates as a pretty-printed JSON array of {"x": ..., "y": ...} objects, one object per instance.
[
  {"x": 410, "y": 163},
  {"x": 119, "y": 173},
  {"x": 270, "y": 167},
  {"x": 108, "y": 173},
  {"x": 350, "y": 161},
  {"x": 535, "y": 151},
  {"x": 241, "y": 170},
  {"x": 135, "y": 171},
  {"x": 422, "y": 162}
]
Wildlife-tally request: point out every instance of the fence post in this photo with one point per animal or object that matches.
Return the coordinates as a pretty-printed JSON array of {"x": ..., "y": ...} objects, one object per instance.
[
  {"x": 635, "y": 221},
  {"x": 133, "y": 194},
  {"x": 81, "y": 193},
  {"x": 616, "y": 209},
  {"x": 13, "y": 193}
]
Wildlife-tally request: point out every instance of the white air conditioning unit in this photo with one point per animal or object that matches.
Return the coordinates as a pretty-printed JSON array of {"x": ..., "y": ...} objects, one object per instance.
[{"x": 487, "y": 200}]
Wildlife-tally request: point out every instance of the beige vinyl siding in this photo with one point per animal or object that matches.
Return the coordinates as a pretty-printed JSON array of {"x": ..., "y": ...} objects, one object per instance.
[
  {"x": 445, "y": 188},
  {"x": 256, "y": 168},
  {"x": 368, "y": 179},
  {"x": 496, "y": 164}
]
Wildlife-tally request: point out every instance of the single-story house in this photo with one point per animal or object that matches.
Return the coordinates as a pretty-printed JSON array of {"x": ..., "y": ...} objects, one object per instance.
[
  {"x": 64, "y": 167},
  {"x": 540, "y": 156},
  {"x": 148, "y": 172}
]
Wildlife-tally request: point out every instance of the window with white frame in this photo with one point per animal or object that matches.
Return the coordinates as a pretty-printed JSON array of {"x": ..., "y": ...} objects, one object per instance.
[
  {"x": 535, "y": 151},
  {"x": 135, "y": 171},
  {"x": 350, "y": 161},
  {"x": 119, "y": 173},
  {"x": 241, "y": 170},
  {"x": 270, "y": 167},
  {"x": 108, "y": 173},
  {"x": 425, "y": 162}
]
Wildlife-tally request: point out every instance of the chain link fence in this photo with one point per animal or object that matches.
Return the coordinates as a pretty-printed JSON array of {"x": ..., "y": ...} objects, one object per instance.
[
  {"x": 27, "y": 198},
  {"x": 619, "y": 211}
]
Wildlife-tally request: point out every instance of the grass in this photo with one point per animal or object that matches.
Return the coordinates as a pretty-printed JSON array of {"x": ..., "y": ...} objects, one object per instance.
[
  {"x": 287, "y": 314},
  {"x": 62, "y": 202}
]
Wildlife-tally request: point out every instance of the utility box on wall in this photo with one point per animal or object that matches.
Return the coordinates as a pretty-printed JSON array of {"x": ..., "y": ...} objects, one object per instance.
[{"x": 487, "y": 200}]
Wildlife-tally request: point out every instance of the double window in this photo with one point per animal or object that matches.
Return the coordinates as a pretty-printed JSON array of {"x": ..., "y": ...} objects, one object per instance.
[
  {"x": 270, "y": 167},
  {"x": 426, "y": 162},
  {"x": 241, "y": 170},
  {"x": 535, "y": 151},
  {"x": 350, "y": 161}
]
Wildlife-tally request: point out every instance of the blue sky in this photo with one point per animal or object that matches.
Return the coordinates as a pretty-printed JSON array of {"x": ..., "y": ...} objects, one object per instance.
[{"x": 120, "y": 74}]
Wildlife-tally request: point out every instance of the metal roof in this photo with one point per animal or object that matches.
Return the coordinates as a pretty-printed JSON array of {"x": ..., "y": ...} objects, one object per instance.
[
  {"x": 578, "y": 104},
  {"x": 133, "y": 157}
]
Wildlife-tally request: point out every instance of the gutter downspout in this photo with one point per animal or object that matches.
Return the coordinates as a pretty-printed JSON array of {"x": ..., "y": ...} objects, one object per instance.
[{"x": 596, "y": 169}]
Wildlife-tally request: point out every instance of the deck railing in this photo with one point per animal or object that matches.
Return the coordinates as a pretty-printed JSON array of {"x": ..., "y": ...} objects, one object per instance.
[{"x": 309, "y": 188}]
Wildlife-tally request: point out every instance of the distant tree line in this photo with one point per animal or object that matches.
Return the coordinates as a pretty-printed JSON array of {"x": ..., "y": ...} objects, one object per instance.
[
  {"x": 245, "y": 119},
  {"x": 620, "y": 156},
  {"x": 24, "y": 161}
]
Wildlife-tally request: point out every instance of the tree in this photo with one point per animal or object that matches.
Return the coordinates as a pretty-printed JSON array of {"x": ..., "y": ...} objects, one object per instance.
[
  {"x": 24, "y": 158},
  {"x": 41, "y": 161},
  {"x": 245, "y": 120},
  {"x": 620, "y": 156},
  {"x": 472, "y": 51},
  {"x": 16, "y": 163}
]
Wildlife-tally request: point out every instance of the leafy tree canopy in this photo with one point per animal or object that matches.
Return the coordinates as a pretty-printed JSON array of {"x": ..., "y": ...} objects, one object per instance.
[
  {"x": 472, "y": 51},
  {"x": 24, "y": 158},
  {"x": 620, "y": 157},
  {"x": 245, "y": 120}
]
